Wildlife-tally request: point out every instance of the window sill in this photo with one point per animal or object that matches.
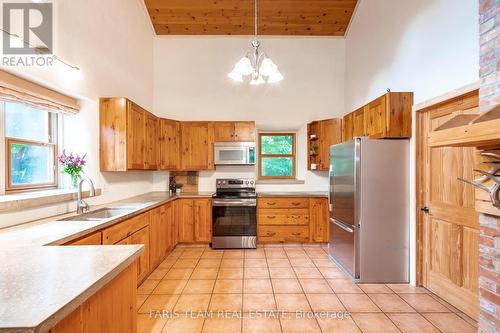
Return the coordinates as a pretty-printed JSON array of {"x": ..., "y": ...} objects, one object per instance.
[
  {"x": 26, "y": 200},
  {"x": 280, "y": 181}
]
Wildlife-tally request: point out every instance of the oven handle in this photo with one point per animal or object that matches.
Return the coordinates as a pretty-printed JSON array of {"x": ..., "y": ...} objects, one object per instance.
[
  {"x": 342, "y": 226},
  {"x": 234, "y": 203}
]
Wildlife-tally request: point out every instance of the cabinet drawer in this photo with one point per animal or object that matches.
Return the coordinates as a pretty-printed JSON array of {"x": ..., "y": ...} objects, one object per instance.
[
  {"x": 282, "y": 234},
  {"x": 270, "y": 219},
  {"x": 124, "y": 229},
  {"x": 283, "y": 203},
  {"x": 94, "y": 239}
]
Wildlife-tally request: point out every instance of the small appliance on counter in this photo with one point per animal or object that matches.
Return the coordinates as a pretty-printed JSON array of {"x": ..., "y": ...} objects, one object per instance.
[
  {"x": 234, "y": 153},
  {"x": 369, "y": 209},
  {"x": 234, "y": 214}
]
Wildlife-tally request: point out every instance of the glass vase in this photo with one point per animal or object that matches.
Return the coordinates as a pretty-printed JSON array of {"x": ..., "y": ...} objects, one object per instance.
[{"x": 74, "y": 181}]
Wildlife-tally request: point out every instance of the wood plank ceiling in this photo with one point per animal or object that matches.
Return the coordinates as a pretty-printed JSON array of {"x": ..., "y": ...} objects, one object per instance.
[{"x": 236, "y": 17}]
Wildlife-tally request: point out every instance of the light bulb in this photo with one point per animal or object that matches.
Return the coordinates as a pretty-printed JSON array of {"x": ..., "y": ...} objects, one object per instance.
[
  {"x": 244, "y": 66},
  {"x": 276, "y": 77},
  {"x": 258, "y": 81},
  {"x": 267, "y": 67},
  {"x": 235, "y": 76}
]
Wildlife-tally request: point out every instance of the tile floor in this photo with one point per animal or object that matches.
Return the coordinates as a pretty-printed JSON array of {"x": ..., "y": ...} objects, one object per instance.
[{"x": 279, "y": 289}]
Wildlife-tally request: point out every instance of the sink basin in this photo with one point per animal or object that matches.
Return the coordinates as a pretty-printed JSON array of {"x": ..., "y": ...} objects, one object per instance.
[{"x": 98, "y": 215}]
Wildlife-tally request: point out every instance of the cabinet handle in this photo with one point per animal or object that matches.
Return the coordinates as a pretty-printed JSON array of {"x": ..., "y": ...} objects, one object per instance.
[
  {"x": 271, "y": 203},
  {"x": 269, "y": 234},
  {"x": 296, "y": 233},
  {"x": 271, "y": 216},
  {"x": 295, "y": 203}
]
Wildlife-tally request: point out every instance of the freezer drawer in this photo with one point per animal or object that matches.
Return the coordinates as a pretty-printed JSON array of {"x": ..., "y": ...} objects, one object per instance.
[{"x": 343, "y": 247}]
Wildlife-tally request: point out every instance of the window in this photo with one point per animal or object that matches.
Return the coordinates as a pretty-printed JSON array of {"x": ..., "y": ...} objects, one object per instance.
[
  {"x": 31, "y": 147},
  {"x": 276, "y": 155}
]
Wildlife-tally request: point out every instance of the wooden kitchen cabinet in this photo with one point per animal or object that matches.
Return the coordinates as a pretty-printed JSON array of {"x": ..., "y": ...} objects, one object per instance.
[
  {"x": 184, "y": 214},
  {"x": 358, "y": 123},
  {"x": 157, "y": 234},
  {"x": 93, "y": 239},
  {"x": 321, "y": 135},
  {"x": 143, "y": 263},
  {"x": 203, "y": 220},
  {"x": 319, "y": 219},
  {"x": 151, "y": 141},
  {"x": 169, "y": 140},
  {"x": 234, "y": 131},
  {"x": 197, "y": 141},
  {"x": 347, "y": 127}
]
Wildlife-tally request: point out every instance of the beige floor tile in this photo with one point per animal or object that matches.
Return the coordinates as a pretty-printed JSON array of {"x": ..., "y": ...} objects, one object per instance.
[
  {"x": 159, "y": 303},
  {"x": 301, "y": 262},
  {"x": 390, "y": 303},
  {"x": 147, "y": 286},
  {"x": 404, "y": 288},
  {"x": 226, "y": 302},
  {"x": 230, "y": 286},
  {"x": 230, "y": 273},
  {"x": 307, "y": 273},
  {"x": 231, "y": 263},
  {"x": 178, "y": 274},
  {"x": 192, "y": 303},
  {"x": 374, "y": 323},
  {"x": 449, "y": 323},
  {"x": 140, "y": 300},
  {"x": 215, "y": 254},
  {"x": 234, "y": 254},
  {"x": 170, "y": 287},
  {"x": 282, "y": 273},
  {"x": 287, "y": 286},
  {"x": 325, "y": 302},
  {"x": 146, "y": 324},
  {"x": 204, "y": 273},
  {"x": 296, "y": 255},
  {"x": 358, "y": 303},
  {"x": 191, "y": 255},
  {"x": 260, "y": 263},
  {"x": 299, "y": 325},
  {"x": 444, "y": 303},
  {"x": 185, "y": 263},
  {"x": 158, "y": 273},
  {"x": 317, "y": 254},
  {"x": 278, "y": 263},
  {"x": 222, "y": 325},
  {"x": 257, "y": 286},
  {"x": 315, "y": 286},
  {"x": 344, "y": 286},
  {"x": 199, "y": 287},
  {"x": 412, "y": 323},
  {"x": 275, "y": 254},
  {"x": 375, "y": 288},
  {"x": 209, "y": 263},
  {"x": 183, "y": 325},
  {"x": 332, "y": 273},
  {"x": 255, "y": 254},
  {"x": 424, "y": 303},
  {"x": 334, "y": 325},
  {"x": 292, "y": 302},
  {"x": 256, "y": 273},
  {"x": 467, "y": 319},
  {"x": 324, "y": 263},
  {"x": 261, "y": 325},
  {"x": 258, "y": 302}
]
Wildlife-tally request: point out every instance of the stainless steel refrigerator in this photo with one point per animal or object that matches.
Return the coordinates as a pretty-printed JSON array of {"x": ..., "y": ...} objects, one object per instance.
[{"x": 369, "y": 209}]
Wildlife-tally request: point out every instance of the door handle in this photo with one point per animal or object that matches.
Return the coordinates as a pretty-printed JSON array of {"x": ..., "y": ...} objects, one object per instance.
[
  {"x": 342, "y": 226},
  {"x": 425, "y": 209}
]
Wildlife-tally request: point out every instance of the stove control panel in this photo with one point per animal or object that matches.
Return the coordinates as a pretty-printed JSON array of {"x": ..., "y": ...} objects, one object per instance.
[{"x": 235, "y": 183}]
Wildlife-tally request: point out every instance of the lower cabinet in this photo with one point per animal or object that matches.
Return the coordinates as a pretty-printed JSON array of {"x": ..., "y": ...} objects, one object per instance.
[
  {"x": 194, "y": 217},
  {"x": 140, "y": 237},
  {"x": 184, "y": 214},
  {"x": 93, "y": 239},
  {"x": 319, "y": 219},
  {"x": 156, "y": 236}
]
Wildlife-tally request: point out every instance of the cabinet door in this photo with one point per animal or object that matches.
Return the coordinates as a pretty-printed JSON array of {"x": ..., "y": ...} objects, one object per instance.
[
  {"x": 169, "y": 144},
  {"x": 224, "y": 131},
  {"x": 318, "y": 216},
  {"x": 202, "y": 220},
  {"x": 185, "y": 218},
  {"x": 156, "y": 240},
  {"x": 196, "y": 146},
  {"x": 135, "y": 137},
  {"x": 142, "y": 237},
  {"x": 244, "y": 131},
  {"x": 167, "y": 211},
  {"x": 330, "y": 133},
  {"x": 358, "y": 123},
  {"x": 375, "y": 118},
  {"x": 347, "y": 127},
  {"x": 151, "y": 142}
]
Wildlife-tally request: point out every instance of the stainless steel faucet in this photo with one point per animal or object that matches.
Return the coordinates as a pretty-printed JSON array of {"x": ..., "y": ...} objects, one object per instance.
[{"x": 81, "y": 205}]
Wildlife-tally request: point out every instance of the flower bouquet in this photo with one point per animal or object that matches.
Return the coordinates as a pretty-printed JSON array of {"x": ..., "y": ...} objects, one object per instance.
[{"x": 73, "y": 166}]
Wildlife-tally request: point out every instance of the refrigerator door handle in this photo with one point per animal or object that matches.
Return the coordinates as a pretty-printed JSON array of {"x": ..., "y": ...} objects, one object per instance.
[{"x": 342, "y": 226}]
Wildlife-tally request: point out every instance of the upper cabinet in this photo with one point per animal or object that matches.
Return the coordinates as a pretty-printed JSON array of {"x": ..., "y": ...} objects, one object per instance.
[
  {"x": 234, "y": 131},
  {"x": 321, "y": 135},
  {"x": 197, "y": 145},
  {"x": 388, "y": 116},
  {"x": 169, "y": 143},
  {"x": 128, "y": 136}
]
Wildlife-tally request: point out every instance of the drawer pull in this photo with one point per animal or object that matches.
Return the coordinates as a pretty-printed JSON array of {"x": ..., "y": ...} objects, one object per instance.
[
  {"x": 271, "y": 216},
  {"x": 270, "y": 234},
  {"x": 295, "y": 203},
  {"x": 296, "y": 233},
  {"x": 271, "y": 203}
]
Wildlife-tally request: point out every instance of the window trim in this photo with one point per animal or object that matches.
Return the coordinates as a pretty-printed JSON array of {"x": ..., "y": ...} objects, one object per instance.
[
  {"x": 293, "y": 155},
  {"x": 52, "y": 142}
]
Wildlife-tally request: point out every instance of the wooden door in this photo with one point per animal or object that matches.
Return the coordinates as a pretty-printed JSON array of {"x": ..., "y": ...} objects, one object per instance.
[
  {"x": 224, "y": 131},
  {"x": 358, "y": 123},
  {"x": 151, "y": 142},
  {"x": 375, "y": 118},
  {"x": 142, "y": 237},
  {"x": 330, "y": 133},
  {"x": 202, "y": 220},
  {"x": 318, "y": 219},
  {"x": 347, "y": 127},
  {"x": 196, "y": 146},
  {"x": 156, "y": 239},
  {"x": 135, "y": 136},
  {"x": 169, "y": 144},
  {"x": 185, "y": 220},
  {"x": 448, "y": 222},
  {"x": 244, "y": 131}
]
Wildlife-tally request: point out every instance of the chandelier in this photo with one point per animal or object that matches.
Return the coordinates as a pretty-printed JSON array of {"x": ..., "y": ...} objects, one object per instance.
[{"x": 256, "y": 64}]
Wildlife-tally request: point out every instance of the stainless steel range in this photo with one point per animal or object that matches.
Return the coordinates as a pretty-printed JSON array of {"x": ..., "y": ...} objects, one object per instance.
[{"x": 234, "y": 209}]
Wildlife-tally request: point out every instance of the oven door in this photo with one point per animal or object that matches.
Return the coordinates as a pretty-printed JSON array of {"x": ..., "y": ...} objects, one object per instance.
[{"x": 234, "y": 217}]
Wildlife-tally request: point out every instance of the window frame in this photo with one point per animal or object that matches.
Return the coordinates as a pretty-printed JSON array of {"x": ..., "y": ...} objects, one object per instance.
[
  {"x": 53, "y": 126},
  {"x": 293, "y": 155}
]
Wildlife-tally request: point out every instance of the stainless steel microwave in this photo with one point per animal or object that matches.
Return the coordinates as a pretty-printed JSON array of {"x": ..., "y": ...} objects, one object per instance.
[{"x": 234, "y": 153}]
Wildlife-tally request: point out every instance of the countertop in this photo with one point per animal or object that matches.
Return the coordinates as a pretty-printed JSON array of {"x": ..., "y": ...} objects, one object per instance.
[{"x": 293, "y": 194}]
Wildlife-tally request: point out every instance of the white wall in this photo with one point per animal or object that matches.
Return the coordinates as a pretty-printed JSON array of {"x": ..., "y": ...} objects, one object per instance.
[
  {"x": 191, "y": 84},
  {"x": 111, "y": 41},
  {"x": 426, "y": 46}
]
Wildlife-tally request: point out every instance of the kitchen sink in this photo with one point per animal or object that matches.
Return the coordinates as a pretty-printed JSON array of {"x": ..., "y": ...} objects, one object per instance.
[{"x": 99, "y": 214}]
